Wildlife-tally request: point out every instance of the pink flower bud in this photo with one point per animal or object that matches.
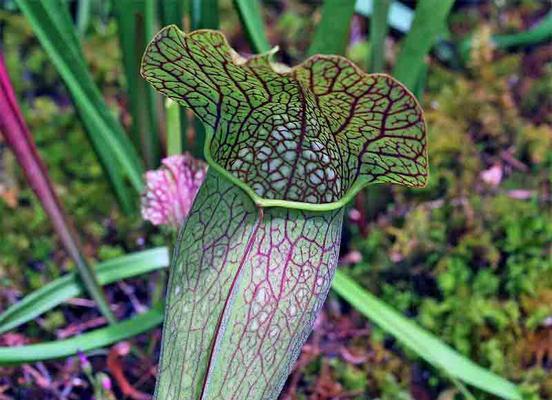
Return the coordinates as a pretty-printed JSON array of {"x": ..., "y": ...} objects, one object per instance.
[
  {"x": 106, "y": 383},
  {"x": 171, "y": 189}
]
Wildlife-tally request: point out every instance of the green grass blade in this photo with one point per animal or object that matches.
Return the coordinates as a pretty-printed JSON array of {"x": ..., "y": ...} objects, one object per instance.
[
  {"x": 153, "y": 101},
  {"x": 84, "y": 9},
  {"x": 204, "y": 14},
  {"x": 66, "y": 287},
  {"x": 125, "y": 15},
  {"x": 88, "y": 341},
  {"x": 332, "y": 33},
  {"x": 136, "y": 24},
  {"x": 52, "y": 24},
  {"x": 378, "y": 32},
  {"x": 429, "y": 22},
  {"x": 542, "y": 32},
  {"x": 426, "y": 345},
  {"x": 172, "y": 12},
  {"x": 252, "y": 20}
]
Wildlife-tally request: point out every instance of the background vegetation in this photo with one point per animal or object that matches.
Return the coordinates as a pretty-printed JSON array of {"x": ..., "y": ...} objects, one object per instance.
[{"x": 468, "y": 258}]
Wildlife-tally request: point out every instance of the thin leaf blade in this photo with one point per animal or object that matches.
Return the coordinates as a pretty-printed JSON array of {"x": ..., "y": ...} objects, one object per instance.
[
  {"x": 136, "y": 25},
  {"x": 378, "y": 33},
  {"x": 332, "y": 33},
  {"x": 51, "y": 23},
  {"x": 429, "y": 22},
  {"x": 426, "y": 345},
  {"x": 66, "y": 287},
  {"x": 86, "y": 342},
  {"x": 251, "y": 18}
]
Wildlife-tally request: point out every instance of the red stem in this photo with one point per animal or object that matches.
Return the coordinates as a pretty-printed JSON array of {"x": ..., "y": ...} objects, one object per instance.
[{"x": 19, "y": 139}]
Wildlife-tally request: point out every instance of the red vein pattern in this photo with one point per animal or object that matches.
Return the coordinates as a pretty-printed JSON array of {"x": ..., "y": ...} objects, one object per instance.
[
  {"x": 245, "y": 288},
  {"x": 308, "y": 134}
]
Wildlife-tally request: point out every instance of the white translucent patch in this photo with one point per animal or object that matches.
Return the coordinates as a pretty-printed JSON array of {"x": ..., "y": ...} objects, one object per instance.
[
  {"x": 246, "y": 154},
  {"x": 254, "y": 326},
  {"x": 263, "y": 316},
  {"x": 285, "y": 170},
  {"x": 315, "y": 180},
  {"x": 262, "y": 295},
  {"x": 274, "y": 164},
  {"x": 317, "y": 145},
  {"x": 292, "y": 311},
  {"x": 309, "y": 155},
  {"x": 237, "y": 164},
  {"x": 302, "y": 293},
  {"x": 256, "y": 308},
  {"x": 330, "y": 173},
  {"x": 273, "y": 332},
  {"x": 278, "y": 185},
  {"x": 258, "y": 273},
  {"x": 264, "y": 153}
]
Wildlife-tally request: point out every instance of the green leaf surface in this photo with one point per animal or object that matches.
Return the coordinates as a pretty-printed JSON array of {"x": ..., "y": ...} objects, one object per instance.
[
  {"x": 309, "y": 137},
  {"x": 332, "y": 33},
  {"x": 245, "y": 287},
  {"x": 429, "y": 22},
  {"x": 252, "y": 20},
  {"x": 423, "y": 343},
  {"x": 87, "y": 341},
  {"x": 62, "y": 289},
  {"x": 53, "y": 26}
]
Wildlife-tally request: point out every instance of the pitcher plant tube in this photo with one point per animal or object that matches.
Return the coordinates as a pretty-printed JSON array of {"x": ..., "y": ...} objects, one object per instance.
[{"x": 287, "y": 148}]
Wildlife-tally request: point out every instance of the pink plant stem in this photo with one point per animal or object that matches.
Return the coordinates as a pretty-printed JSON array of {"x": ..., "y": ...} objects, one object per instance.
[{"x": 19, "y": 139}]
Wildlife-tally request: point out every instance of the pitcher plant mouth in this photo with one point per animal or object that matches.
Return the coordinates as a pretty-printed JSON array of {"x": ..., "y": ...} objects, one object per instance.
[{"x": 308, "y": 137}]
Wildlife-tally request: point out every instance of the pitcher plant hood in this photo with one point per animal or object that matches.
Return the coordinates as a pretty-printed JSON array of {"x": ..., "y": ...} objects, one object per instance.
[{"x": 308, "y": 137}]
